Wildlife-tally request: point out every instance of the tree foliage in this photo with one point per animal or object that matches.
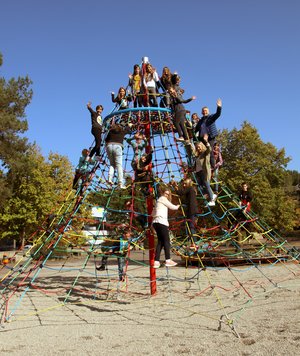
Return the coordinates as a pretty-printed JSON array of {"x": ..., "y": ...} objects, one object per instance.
[
  {"x": 15, "y": 95},
  {"x": 248, "y": 159},
  {"x": 30, "y": 185},
  {"x": 35, "y": 193}
]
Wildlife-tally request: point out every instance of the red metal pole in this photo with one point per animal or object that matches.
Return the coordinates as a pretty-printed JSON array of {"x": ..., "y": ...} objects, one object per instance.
[{"x": 150, "y": 235}]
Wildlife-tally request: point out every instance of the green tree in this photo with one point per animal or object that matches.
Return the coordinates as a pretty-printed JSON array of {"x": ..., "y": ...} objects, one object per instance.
[
  {"x": 248, "y": 159},
  {"x": 15, "y": 95},
  {"x": 36, "y": 192}
]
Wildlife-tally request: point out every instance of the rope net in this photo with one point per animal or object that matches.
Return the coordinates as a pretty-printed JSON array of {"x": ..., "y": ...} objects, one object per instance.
[{"x": 61, "y": 265}]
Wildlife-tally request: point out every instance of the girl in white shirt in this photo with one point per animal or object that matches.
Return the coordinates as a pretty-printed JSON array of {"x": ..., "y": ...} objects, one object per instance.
[
  {"x": 150, "y": 80},
  {"x": 161, "y": 226}
]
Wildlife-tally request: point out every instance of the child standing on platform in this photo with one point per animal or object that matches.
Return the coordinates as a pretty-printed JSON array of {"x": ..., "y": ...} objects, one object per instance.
[{"x": 135, "y": 82}]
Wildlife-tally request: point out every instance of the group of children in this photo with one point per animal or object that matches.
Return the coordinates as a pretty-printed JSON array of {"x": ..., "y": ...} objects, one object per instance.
[{"x": 199, "y": 134}]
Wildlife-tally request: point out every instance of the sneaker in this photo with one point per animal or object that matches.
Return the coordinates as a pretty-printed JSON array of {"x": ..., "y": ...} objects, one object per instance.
[
  {"x": 122, "y": 186},
  {"x": 214, "y": 197},
  {"x": 100, "y": 268},
  {"x": 156, "y": 264},
  {"x": 122, "y": 278},
  {"x": 170, "y": 263},
  {"x": 180, "y": 139},
  {"x": 211, "y": 203}
]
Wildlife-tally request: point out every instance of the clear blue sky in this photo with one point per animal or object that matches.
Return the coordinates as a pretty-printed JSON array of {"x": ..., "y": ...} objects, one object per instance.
[{"x": 243, "y": 51}]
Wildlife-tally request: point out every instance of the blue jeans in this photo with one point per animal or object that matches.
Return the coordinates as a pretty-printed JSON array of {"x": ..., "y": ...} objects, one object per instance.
[
  {"x": 115, "y": 156},
  {"x": 121, "y": 265},
  {"x": 216, "y": 178},
  {"x": 203, "y": 182}
]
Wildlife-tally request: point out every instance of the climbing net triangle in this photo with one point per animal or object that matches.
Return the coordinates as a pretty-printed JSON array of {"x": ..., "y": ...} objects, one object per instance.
[{"x": 221, "y": 240}]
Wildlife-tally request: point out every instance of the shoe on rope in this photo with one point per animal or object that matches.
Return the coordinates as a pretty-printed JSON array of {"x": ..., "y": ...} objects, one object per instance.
[
  {"x": 100, "y": 268},
  {"x": 180, "y": 139}
]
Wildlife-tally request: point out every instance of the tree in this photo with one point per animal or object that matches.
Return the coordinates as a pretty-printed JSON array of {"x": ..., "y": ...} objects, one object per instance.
[
  {"x": 248, "y": 159},
  {"x": 36, "y": 191},
  {"x": 15, "y": 95}
]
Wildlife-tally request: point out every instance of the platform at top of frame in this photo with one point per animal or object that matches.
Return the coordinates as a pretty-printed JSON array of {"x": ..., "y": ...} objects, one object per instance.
[{"x": 160, "y": 119}]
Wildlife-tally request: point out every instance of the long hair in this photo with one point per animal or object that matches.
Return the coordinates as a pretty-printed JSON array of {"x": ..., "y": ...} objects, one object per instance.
[
  {"x": 162, "y": 189},
  {"x": 134, "y": 68},
  {"x": 203, "y": 148},
  {"x": 119, "y": 93},
  {"x": 189, "y": 183},
  {"x": 166, "y": 74}
]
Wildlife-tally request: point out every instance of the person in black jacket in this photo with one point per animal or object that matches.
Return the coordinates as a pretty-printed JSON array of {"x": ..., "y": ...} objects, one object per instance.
[
  {"x": 188, "y": 194},
  {"x": 96, "y": 128},
  {"x": 206, "y": 126},
  {"x": 179, "y": 114},
  {"x": 142, "y": 171},
  {"x": 245, "y": 198}
]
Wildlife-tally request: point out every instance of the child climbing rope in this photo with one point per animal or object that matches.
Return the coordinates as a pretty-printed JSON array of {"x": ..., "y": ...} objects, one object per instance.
[
  {"x": 161, "y": 226},
  {"x": 114, "y": 149},
  {"x": 138, "y": 142},
  {"x": 142, "y": 171},
  {"x": 119, "y": 248},
  {"x": 82, "y": 169},
  {"x": 203, "y": 170},
  {"x": 96, "y": 128},
  {"x": 188, "y": 194}
]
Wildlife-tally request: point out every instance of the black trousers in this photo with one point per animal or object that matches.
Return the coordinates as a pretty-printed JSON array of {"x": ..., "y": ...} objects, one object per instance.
[
  {"x": 179, "y": 123},
  {"x": 163, "y": 238},
  {"x": 96, "y": 132}
]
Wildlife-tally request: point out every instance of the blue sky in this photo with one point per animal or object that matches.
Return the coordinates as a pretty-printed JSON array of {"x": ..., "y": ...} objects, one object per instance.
[{"x": 245, "y": 52}]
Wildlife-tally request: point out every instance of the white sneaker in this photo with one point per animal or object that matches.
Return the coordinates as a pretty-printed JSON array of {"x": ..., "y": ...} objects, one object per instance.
[
  {"x": 170, "y": 263},
  {"x": 211, "y": 203},
  {"x": 122, "y": 186},
  {"x": 180, "y": 139},
  {"x": 214, "y": 197},
  {"x": 156, "y": 264}
]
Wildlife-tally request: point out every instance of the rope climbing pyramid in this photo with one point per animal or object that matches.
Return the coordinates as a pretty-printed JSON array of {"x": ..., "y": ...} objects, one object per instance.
[{"x": 117, "y": 262}]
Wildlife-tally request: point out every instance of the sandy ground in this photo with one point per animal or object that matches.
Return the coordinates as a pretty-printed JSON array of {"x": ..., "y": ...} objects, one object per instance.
[{"x": 242, "y": 311}]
